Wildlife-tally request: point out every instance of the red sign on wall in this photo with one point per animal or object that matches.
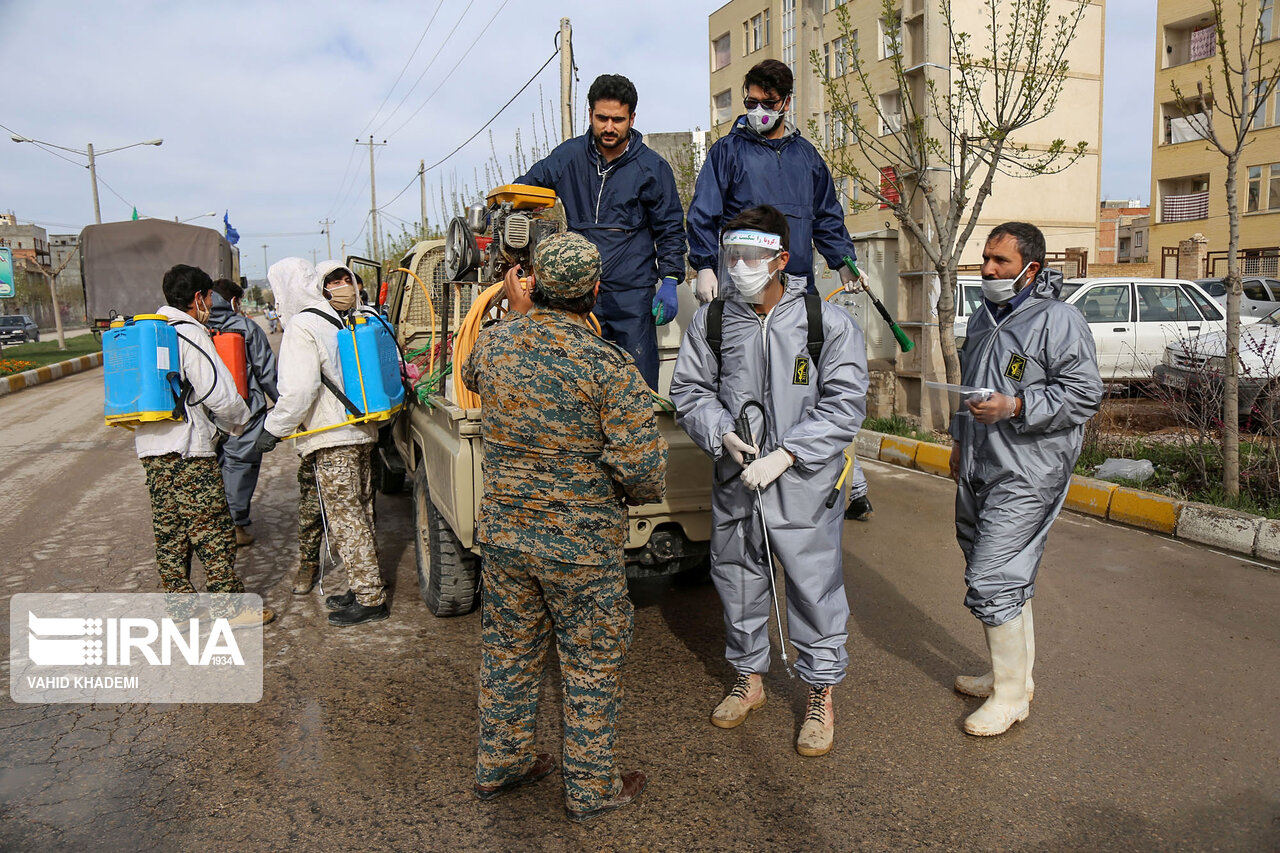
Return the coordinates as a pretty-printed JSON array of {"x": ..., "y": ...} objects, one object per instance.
[{"x": 889, "y": 186}]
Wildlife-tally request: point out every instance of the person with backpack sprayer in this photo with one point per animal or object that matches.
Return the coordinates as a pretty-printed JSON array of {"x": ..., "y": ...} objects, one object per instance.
[
  {"x": 804, "y": 362},
  {"x": 338, "y": 453}
]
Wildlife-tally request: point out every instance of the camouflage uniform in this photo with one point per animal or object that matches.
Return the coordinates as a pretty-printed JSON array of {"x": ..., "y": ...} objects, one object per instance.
[
  {"x": 344, "y": 476},
  {"x": 189, "y": 513},
  {"x": 569, "y": 436},
  {"x": 310, "y": 525}
]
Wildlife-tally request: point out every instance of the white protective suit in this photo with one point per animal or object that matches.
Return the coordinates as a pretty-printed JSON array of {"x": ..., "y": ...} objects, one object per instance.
[
  {"x": 815, "y": 421},
  {"x": 309, "y": 346},
  {"x": 1014, "y": 474},
  {"x": 221, "y": 408}
]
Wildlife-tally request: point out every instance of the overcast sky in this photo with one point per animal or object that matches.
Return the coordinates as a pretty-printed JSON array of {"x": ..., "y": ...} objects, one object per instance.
[{"x": 259, "y": 104}]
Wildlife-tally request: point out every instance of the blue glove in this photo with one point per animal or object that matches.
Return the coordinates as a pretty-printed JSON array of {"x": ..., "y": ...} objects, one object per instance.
[{"x": 665, "y": 302}]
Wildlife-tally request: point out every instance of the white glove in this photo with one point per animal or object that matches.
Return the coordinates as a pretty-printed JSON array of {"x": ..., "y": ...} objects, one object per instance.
[
  {"x": 766, "y": 469},
  {"x": 707, "y": 288},
  {"x": 851, "y": 284},
  {"x": 736, "y": 447}
]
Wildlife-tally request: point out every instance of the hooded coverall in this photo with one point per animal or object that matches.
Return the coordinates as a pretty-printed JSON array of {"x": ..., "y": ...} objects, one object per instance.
[
  {"x": 240, "y": 462},
  {"x": 1014, "y": 474},
  {"x": 814, "y": 411},
  {"x": 630, "y": 209}
]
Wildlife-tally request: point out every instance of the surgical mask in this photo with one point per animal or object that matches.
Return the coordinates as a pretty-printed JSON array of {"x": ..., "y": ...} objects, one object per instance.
[
  {"x": 202, "y": 312},
  {"x": 763, "y": 120},
  {"x": 750, "y": 280},
  {"x": 342, "y": 297},
  {"x": 1001, "y": 290}
]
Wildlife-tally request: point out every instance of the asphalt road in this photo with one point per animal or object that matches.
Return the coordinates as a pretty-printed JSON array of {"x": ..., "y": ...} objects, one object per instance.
[{"x": 1154, "y": 725}]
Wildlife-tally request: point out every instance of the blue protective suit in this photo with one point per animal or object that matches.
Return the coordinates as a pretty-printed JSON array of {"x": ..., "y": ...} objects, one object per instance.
[
  {"x": 744, "y": 170},
  {"x": 815, "y": 420},
  {"x": 240, "y": 462},
  {"x": 1014, "y": 474},
  {"x": 630, "y": 209}
]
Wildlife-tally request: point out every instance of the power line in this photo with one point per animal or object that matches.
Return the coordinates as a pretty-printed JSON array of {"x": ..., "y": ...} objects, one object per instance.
[
  {"x": 342, "y": 184},
  {"x": 428, "y": 68},
  {"x": 455, "y": 67},
  {"x": 403, "y": 69},
  {"x": 478, "y": 132}
]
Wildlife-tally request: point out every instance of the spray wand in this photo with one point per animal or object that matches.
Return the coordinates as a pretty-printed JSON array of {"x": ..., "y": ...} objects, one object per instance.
[{"x": 903, "y": 341}]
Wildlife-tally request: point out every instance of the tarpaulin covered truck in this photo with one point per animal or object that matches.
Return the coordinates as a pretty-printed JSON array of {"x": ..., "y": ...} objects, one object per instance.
[{"x": 122, "y": 264}]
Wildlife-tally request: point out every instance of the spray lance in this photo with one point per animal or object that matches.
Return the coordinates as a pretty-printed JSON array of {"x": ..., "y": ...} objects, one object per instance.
[
  {"x": 742, "y": 426},
  {"x": 903, "y": 341}
]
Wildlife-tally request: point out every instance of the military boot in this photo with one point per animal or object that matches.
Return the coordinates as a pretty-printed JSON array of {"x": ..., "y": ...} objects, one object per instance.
[
  {"x": 818, "y": 731},
  {"x": 980, "y": 685},
  {"x": 304, "y": 579},
  {"x": 747, "y": 695},
  {"x": 358, "y": 613},
  {"x": 243, "y": 536}
]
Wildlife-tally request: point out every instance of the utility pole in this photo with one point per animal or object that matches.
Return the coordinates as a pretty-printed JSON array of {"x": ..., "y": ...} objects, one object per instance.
[
  {"x": 328, "y": 242},
  {"x": 373, "y": 199},
  {"x": 264, "y": 260},
  {"x": 422, "y": 190},
  {"x": 566, "y": 80},
  {"x": 93, "y": 178},
  {"x": 313, "y": 257}
]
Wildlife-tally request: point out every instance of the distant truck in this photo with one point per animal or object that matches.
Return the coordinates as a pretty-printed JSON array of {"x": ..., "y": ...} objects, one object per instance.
[{"x": 122, "y": 264}]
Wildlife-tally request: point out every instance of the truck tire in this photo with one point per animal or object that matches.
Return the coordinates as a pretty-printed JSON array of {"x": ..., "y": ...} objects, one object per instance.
[{"x": 448, "y": 574}]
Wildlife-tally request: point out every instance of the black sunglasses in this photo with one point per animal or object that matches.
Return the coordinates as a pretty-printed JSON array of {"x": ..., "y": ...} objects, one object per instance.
[{"x": 752, "y": 103}]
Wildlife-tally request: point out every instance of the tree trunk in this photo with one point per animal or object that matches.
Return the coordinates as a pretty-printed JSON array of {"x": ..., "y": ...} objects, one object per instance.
[
  {"x": 1231, "y": 388},
  {"x": 947, "y": 323}
]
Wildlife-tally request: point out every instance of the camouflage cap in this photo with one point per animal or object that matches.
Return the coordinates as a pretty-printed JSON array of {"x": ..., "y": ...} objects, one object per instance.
[{"x": 566, "y": 265}]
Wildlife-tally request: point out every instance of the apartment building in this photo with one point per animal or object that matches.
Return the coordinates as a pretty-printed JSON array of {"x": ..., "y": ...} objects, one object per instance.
[
  {"x": 741, "y": 33},
  {"x": 1187, "y": 178},
  {"x": 1115, "y": 233}
]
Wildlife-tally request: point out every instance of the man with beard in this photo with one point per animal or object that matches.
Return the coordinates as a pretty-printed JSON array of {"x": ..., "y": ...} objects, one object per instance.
[{"x": 620, "y": 195}]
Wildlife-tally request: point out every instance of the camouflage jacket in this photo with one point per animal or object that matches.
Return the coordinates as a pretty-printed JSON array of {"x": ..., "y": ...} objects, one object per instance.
[{"x": 569, "y": 438}]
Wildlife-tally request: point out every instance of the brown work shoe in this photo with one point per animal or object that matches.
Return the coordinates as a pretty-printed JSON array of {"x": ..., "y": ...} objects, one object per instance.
[
  {"x": 543, "y": 764},
  {"x": 304, "y": 579},
  {"x": 252, "y": 617},
  {"x": 746, "y": 696},
  {"x": 633, "y": 784},
  {"x": 818, "y": 730},
  {"x": 243, "y": 536}
]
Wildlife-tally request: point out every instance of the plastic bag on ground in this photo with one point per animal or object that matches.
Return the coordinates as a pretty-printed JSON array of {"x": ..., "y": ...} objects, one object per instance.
[{"x": 1138, "y": 470}]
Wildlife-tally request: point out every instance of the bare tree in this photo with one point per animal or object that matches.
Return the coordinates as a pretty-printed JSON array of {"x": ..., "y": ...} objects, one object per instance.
[
  {"x": 931, "y": 153},
  {"x": 1236, "y": 87}
]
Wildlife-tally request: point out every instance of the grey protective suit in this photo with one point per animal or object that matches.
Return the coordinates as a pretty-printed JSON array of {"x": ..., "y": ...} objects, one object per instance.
[
  {"x": 240, "y": 462},
  {"x": 1014, "y": 474},
  {"x": 815, "y": 420}
]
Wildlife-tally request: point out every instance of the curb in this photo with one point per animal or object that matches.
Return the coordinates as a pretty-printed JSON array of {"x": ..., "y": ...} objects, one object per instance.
[
  {"x": 48, "y": 373},
  {"x": 1224, "y": 529}
]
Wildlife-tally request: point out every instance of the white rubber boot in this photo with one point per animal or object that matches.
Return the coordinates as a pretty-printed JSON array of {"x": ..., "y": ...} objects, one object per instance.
[
  {"x": 1008, "y": 703},
  {"x": 980, "y": 685}
]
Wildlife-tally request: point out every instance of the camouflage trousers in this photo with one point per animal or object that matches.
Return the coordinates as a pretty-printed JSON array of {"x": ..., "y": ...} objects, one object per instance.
[
  {"x": 527, "y": 600},
  {"x": 310, "y": 526},
  {"x": 344, "y": 485},
  {"x": 189, "y": 514}
]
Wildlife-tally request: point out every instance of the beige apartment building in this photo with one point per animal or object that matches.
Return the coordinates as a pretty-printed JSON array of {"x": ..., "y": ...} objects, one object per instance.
[
  {"x": 1188, "y": 193},
  {"x": 743, "y": 32},
  {"x": 1065, "y": 206}
]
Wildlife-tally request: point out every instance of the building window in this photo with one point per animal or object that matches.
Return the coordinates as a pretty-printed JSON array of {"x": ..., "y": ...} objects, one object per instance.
[
  {"x": 720, "y": 52},
  {"x": 756, "y": 32},
  {"x": 1260, "y": 106},
  {"x": 789, "y": 34},
  {"x": 722, "y": 106},
  {"x": 828, "y": 5},
  {"x": 1137, "y": 238},
  {"x": 1255, "y": 189},
  {"x": 1266, "y": 8},
  {"x": 891, "y": 35},
  {"x": 1184, "y": 199},
  {"x": 1273, "y": 188},
  {"x": 890, "y": 112},
  {"x": 841, "y": 56}
]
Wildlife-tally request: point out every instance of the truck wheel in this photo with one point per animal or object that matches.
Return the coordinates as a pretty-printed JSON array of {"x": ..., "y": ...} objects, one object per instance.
[{"x": 448, "y": 574}]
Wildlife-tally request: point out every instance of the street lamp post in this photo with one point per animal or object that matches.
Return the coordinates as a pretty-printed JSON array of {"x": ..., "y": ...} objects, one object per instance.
[
  {"x": 264, "y": 260},
  {"x": 88, "y": 152},
  {"x": 194, "y": 218}
]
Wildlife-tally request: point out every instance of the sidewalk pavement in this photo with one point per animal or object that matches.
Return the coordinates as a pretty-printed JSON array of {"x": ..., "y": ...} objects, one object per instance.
[{"x": 1216, "y": 527}]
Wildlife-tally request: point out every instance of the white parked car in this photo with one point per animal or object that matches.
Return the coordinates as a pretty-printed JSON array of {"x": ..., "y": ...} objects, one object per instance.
[
  {"x": 1134, "y": 320},
  {"x": 1200, "y": 364},
  {"x": 1260, "y": 296},
  {"x": 968, "y": 301}
]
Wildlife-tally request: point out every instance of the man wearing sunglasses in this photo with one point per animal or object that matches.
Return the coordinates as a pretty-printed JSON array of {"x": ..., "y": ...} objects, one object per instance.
[{"x": 765, "y": 160}]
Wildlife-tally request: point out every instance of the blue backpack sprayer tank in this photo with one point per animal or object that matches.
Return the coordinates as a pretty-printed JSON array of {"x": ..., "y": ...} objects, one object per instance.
[{"x": 142, "y": 371}]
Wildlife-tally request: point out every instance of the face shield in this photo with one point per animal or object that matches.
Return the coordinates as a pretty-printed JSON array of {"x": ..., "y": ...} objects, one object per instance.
[{"x": 747, "y": 260}]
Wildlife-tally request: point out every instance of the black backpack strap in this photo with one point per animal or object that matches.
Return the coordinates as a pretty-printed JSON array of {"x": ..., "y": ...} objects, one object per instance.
[
  {"x": 813, "y": 308},
  {"x": 325, "y": 380},
  {"x": 715, "y": 330}
]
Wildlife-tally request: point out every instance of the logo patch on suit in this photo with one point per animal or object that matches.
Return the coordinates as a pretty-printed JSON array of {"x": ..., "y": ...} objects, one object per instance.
[
  {"x": 1016, "y": 367},
  {"x": 800, "y": 376}
]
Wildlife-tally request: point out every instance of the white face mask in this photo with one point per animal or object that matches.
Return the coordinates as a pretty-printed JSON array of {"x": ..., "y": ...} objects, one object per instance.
[
  {"x": 202, "y": 312},
  {"x": 750, "y": 280},
  {"x": 763, "y": 121},
  {"x": 1001, "y": 290}
]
